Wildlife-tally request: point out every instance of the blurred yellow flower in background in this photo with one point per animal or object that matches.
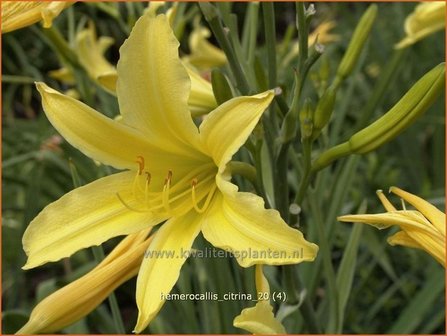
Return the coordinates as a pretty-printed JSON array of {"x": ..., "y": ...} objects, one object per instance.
[
  {"x": 19, "y": 14},
  {"x": 427, "y": 18},
  {"x": 90, "y": 51},
  {"x": 321, "y": 34},
  {"x": 422, "y": 229},
  {"x": 203, "y": 55},
  {"x": 77, "y": 299}
]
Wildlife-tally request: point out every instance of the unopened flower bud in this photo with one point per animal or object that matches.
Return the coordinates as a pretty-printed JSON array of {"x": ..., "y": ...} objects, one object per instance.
[
  {"x": 358, "y": 40},
  {"x": 306, "y": 120},
  {"x": 410, "y": 107}
]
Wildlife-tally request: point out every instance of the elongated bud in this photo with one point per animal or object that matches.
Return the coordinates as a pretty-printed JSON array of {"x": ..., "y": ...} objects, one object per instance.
[
  {"x": 306, "y": 120},
  {"x": 323, "y": 111},
  {"x": 357, "y": 42},
  {"x": 289, "y": 127},
  {"x": 410, "y": 107}
]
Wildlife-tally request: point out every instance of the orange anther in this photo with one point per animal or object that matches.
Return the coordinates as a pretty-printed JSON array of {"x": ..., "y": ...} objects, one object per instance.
[
  {"x": 140, "y": 161},
  {"x": 169, "y": 177},
  {"x": 194, "y": 182},
  {"x": 148, "y": 177}
]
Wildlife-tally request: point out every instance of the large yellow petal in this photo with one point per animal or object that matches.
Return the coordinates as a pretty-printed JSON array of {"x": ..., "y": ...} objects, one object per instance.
[
  {"x": 104, "y": 139},
  {"x": 161, "y": 267},
  {"x": 226, "y": 129},
  {"x": 238, "y": 222},
  {"x": 153, "y": 86},
  {"x": 86, "y": 216}
]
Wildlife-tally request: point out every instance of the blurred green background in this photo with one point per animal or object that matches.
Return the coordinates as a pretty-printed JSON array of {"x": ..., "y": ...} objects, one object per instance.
[{"x": 394, "y": 289}]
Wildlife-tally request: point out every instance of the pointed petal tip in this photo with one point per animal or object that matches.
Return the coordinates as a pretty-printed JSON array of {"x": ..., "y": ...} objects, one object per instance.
[
  {"x": 343, "y": 218},
  {"x": 44, "y": 88},
  {"x": 392, "y": 189}
]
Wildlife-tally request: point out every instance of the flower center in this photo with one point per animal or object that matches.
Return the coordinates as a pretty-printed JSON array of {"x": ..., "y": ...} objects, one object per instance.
[{"x": 173, "y": 197}]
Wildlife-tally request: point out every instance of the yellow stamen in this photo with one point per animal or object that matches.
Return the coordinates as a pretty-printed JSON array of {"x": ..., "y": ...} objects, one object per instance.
[
  {"x": 208, "y": 197},
  {"x": 130, "y": 207},
  {"x": 165, "y": 194},
  {"x": 146, "y": 186},
  {"x": 156, "y": 200}
]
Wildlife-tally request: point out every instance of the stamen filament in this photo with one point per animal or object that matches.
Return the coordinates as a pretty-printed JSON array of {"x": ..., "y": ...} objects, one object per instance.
[
  {"x": 130, "y": 207},
  {"x": 155, "y": 201},
  {"x": 136, "y": 185},
  {"x": 208, "y": 197}
]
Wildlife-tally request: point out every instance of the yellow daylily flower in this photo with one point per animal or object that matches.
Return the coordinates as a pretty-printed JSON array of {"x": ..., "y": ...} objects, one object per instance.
[
  {"x": 64, "y": 75},
  {"x": 322, "y": 33},
  {"x": 77, "y": 299},
  {"x": 259, "y": 320},
  {"x": 19, "y": 14},
  {"x": 426, "y": 19},
  {"x": 423, "y": 229},
  {"x": 90, "y": 51},
  {"x": 203, "y": 55},
  {"x": 173, "y": 171}
]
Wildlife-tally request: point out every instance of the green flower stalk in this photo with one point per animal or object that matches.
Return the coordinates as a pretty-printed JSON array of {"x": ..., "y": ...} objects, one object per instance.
[
  {"x": 411, "y": 106},
  {"x": 325, "y": 105}
]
